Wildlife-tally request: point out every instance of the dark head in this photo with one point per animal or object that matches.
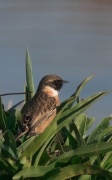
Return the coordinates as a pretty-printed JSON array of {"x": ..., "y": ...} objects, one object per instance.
[{"x": 52, "y": 81}]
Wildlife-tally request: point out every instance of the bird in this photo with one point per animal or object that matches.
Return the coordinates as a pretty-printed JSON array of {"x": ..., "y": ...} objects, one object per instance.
[{"x": 41, "y": 109}]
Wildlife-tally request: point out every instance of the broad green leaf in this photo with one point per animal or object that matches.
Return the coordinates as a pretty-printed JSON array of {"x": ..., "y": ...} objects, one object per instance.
[
  {"x": 78, "y": 136},
  {"x": 32, "y": 171},
  {"x": 96, "y": 134},
  {"x": 89, "y": 122},
  {"x": 106, "y": 163},
  {"x": 65, "y": 161},
  {"x": 40, "y": 153},
  {"x": 4, "y": 165},
  {"x": 65, "y": 117},
  {"x": 10, "y": 122},
  {"x": 76, "y": 160},
  {"x": 7, "y": 152},
  {"x": 10, "y": 140},
  {"x": 29, "y": 76},
  {"x": 51, "y": 173},
  {"x": 24, "y": 163},
  {"x": 12, "y": 119},
  {"x": 80, "y": 169},
  {"x": 44, "y": 158},
  {"x": 9, "y": 146},
  {"x": 72, "y": 141},
  {"x": 1, "y": 138},
  {"x": 2, "y": 122},
  {"x": 88, "y": 150},
  {"x": 24, "y": 145},
  {"x": 85, "y": 177},
  {"x": 106, "y": 132},
  {"x": 67, "y": 148},
  {"x": 81, "y": 123},
  {"x": 18, "y": 117}
]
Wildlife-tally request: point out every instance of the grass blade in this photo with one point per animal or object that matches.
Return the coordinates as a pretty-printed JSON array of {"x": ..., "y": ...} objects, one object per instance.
[
  {"x": 2, "y": 122},
  {"x": 80, "y": 169},
  {"x": 29, "y": 76}
]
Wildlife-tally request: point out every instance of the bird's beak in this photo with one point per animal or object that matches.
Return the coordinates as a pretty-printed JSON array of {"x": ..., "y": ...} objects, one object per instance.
[{"x": 64, "y": 81}]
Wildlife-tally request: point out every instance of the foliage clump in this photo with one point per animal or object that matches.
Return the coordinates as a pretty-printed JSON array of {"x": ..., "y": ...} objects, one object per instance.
[{"x": 63, "y": 150}]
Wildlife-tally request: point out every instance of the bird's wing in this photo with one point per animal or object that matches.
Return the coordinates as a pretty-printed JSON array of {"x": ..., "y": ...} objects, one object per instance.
[
  {"x": 37, "y": 116},
  {"x": 41, "y": 122},
  {"x": 36, "y": 125}
]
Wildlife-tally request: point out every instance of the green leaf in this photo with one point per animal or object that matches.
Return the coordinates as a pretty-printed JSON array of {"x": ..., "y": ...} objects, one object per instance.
[
  {"x": 29, "y": 76},
  {"x": 24, "y": 163},
  {"x": 88, "y": 150},
  {"x": 24, "y": 145},
  {"x": 89, "y": 122},
  {"x": 10, "y": 122},
  {"x": 72, "y": 141},
  {"x": 106, "y": 163},
  {"x": 51, "y": 173},
  {"x": 78, "y": 136},
  {"x": 5, "y": 165},
  {"x": 80, "y": 169},
  {"x": 18, "y": 117},
  {"x": 81, "y": 123},
  {"x": 44, "y": 158},
  {"x": 1, "y": 138},
  {"x": 85, "y": 177},
  {"x": 97, "y": 133},
  {"x": 38, "y": 171},
  {"x": 106, "y": 132},
  {"x": 9, "y": 146},
  {"x": 12, "y": 119},
  {"x": 2, "y": 122},
  {"x": 7, "y": 152}
]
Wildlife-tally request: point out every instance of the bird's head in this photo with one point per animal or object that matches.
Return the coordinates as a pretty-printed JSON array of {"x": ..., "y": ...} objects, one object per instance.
[{"x": 53, "y": 81}]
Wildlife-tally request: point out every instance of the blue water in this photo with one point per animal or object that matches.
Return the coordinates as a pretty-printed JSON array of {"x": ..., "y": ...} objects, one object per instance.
[{"x": 70, "y": 38}]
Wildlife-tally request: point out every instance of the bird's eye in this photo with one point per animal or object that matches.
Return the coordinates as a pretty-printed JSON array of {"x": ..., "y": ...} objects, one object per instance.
[{"x": 56, "y": 81}]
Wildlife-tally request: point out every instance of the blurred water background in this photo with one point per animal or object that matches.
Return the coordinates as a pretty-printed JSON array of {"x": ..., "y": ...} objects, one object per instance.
[{"x": 71, "y": 38}]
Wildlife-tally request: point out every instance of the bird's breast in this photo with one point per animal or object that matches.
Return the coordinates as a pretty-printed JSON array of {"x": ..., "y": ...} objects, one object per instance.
[{"x": 52, "y": 93}]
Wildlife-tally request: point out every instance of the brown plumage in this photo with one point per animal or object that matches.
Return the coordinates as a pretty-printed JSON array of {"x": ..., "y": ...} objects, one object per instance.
[{"x": 42, "y": 108}]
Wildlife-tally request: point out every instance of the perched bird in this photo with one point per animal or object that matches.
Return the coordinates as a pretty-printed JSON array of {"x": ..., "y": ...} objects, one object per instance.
[{"x": 41, "y": 110}]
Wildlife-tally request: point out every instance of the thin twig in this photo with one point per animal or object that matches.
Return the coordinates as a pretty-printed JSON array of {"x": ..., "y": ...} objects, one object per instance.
[{"x": 15, "y": 93}]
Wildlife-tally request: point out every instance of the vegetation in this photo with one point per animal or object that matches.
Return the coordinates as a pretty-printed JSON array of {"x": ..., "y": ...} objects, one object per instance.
[{"x": 63, "y": 150}]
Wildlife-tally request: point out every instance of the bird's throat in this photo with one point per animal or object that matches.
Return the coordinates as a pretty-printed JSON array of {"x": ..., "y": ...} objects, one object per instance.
[{"x": 50, "y": 91}]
